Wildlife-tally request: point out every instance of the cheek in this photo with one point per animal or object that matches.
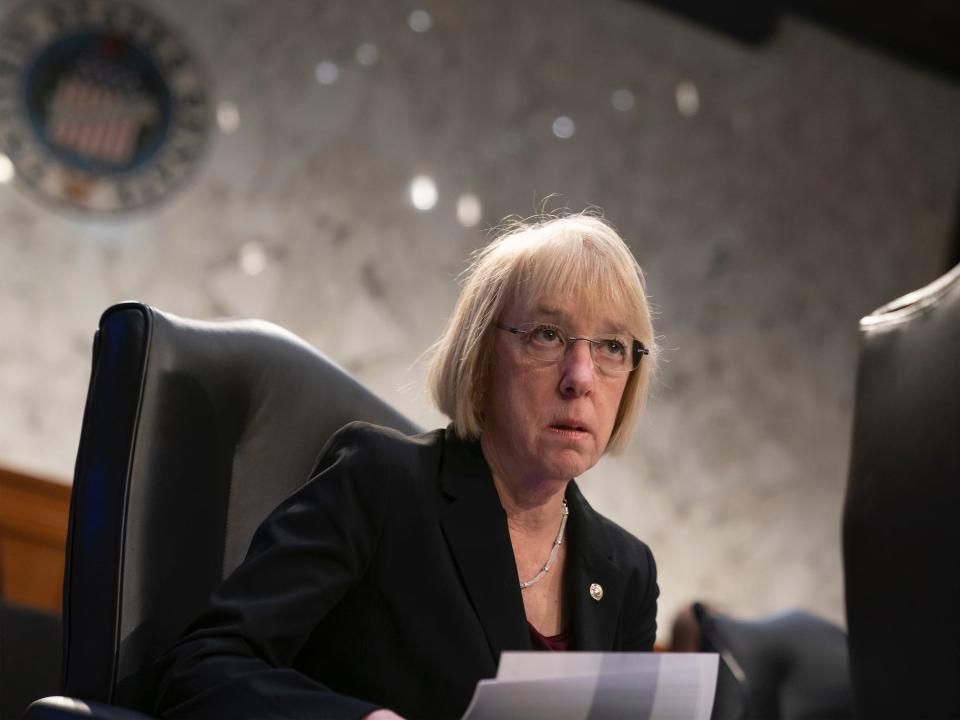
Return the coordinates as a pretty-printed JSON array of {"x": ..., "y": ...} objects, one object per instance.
[
  {"x": 510, "y": 397},
  {"x": 612, "y": 405}
]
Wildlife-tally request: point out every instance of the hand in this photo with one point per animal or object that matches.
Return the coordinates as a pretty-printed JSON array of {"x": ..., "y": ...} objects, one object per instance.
[{"x": 383, "y": 714}]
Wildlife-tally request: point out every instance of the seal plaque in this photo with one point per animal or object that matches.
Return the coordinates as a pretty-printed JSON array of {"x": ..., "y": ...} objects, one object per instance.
[{"x": 102, "y": 107}]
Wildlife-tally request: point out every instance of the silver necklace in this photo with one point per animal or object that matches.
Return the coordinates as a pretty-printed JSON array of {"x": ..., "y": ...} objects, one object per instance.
[{"x": 553, "y": 552}]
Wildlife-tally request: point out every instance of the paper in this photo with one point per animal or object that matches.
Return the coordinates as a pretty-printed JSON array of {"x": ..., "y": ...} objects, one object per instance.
[{"x": 597, "y": 686}]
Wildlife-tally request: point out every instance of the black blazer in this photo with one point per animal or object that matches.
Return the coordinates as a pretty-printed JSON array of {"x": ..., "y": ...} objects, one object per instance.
[{"x": 389, "y": 580}]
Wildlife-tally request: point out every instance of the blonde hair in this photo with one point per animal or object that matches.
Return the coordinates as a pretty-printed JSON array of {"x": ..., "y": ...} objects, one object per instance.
[{"x": 579, "y": 255}]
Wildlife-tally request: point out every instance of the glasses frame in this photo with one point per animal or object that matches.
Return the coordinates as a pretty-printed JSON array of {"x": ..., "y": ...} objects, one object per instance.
[{"x": 638, "y": 348}]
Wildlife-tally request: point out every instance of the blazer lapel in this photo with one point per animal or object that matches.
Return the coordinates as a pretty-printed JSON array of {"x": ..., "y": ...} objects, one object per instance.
[
  {"x": 590, "y": 563},
  {"x": 475, "y": 527}
]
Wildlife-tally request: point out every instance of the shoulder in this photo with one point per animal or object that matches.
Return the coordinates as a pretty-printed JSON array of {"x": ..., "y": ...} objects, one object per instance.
[
  {"x": 623, "y": 547},
  {"x": 629, "y": 551},
  {"x": 360, "y": 473},
  {"x": 377, "y": 446}
]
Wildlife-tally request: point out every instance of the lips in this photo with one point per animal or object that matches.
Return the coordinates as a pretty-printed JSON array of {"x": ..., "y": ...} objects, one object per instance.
[{"x": 569, "y": 424}]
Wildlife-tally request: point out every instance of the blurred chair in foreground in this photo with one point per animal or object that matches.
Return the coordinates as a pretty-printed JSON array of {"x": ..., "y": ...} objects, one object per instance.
[
  {"x": 193, "y": 431},
  {"x": 901, "y": 525},
  {"x": 788, "y": 666}
]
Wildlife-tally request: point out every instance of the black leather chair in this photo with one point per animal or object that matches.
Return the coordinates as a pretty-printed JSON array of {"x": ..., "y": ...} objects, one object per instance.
[
  {"x": 788, "y": 666},
  {"x": 193, "y": 431},
  {"x": 901, "y": 523}
]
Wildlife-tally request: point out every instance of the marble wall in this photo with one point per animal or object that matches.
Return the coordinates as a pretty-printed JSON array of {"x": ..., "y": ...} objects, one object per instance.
[{"x": 773, "y": 195}]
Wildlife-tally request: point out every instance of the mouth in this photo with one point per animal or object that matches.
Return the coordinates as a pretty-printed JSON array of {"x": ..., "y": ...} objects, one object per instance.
[{"x": 571, "y": 427}]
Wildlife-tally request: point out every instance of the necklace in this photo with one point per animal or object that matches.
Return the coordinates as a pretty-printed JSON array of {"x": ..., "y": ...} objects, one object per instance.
[{"x": 553, "y": 552}]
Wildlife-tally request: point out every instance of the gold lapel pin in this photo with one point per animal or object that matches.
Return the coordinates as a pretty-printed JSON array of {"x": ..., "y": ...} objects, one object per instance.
[{"x": 596, "y": 591}]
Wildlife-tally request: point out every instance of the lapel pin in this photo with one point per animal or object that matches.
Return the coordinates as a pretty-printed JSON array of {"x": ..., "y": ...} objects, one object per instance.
[{"x": 596, "y": 591}]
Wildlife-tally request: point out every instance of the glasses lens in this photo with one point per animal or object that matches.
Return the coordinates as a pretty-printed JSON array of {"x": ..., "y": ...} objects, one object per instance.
[
  {"x": 611, "y": 354},
  {"x": 546, "y": 342}
]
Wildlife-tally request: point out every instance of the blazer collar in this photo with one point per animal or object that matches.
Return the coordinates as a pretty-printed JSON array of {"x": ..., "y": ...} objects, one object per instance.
[
  {"x": 591, "y": 561},
  {"x": 475, "y": 526}
]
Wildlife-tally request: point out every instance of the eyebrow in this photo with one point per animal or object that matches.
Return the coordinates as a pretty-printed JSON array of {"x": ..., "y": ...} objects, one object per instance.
[{"x": 557, "y": 314}]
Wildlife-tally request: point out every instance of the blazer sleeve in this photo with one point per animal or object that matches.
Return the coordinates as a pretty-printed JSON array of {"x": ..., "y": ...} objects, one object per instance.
[{"x": 235, "y": 660}]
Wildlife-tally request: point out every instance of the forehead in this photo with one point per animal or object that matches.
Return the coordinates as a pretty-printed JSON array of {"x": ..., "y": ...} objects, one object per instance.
[
  {"x": 585, "y": 292},
  {"x": 571, "y": 312}
]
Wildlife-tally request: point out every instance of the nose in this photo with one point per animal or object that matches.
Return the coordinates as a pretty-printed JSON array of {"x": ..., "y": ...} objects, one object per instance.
[{"x": 579, "y": 372}]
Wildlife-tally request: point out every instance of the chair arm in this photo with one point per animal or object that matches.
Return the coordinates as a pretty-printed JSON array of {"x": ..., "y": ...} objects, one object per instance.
[{"x": 58, "y": 707}]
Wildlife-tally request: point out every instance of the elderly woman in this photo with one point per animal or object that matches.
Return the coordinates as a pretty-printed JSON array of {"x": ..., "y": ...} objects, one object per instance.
[{"x": 392, "y": 581}]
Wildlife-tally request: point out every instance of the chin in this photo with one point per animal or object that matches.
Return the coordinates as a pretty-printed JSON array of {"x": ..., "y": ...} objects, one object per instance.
[{"x": 568, "y": 467}]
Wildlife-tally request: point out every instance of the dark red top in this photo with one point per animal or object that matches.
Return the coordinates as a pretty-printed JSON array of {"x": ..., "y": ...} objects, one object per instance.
[{"x": 558, "y": 643}]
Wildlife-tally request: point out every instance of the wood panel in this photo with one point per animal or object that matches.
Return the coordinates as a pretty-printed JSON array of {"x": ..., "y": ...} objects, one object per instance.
[{"x": 33, "y": 534}]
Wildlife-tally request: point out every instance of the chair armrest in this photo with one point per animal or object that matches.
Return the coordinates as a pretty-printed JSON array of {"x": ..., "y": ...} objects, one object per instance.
[{"x": 58, "y": 707}]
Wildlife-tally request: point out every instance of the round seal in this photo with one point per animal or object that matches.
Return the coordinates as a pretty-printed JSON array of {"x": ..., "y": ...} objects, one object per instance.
[{"x": 101, "y": 105}]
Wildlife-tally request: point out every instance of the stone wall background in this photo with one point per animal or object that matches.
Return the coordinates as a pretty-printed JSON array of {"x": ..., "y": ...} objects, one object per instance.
[{"x": 809, "y": 183}]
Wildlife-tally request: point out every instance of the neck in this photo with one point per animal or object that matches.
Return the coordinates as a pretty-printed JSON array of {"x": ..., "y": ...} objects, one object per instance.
[{"x": 531, "y": 503}]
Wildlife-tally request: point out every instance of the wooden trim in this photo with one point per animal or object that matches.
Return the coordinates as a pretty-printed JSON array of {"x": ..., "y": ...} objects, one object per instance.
[
  {"x": 33, "y": 508},
  {"x": 33, "y": 533}
]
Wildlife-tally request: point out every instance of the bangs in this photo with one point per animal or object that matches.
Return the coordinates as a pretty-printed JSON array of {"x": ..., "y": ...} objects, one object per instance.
[{"x": 581, "y": 266}]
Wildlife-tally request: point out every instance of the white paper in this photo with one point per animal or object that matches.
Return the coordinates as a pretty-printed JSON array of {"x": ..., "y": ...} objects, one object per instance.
[{"x": 597, "y": 686}]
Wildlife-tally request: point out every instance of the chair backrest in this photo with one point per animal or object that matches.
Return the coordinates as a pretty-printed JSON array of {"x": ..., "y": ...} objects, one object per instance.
[
  {"x": 193, "y": 431},
  {"x": 900, "y": 527}
]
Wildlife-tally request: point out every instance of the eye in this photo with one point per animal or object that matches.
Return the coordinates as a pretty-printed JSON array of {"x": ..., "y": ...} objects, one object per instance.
[
  {"x": 546, "y": 336},
  {"x": 613, "y": 347}
]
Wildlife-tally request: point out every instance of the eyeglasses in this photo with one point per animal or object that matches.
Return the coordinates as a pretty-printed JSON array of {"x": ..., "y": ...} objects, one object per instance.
[{"x": 611, "y": 353}]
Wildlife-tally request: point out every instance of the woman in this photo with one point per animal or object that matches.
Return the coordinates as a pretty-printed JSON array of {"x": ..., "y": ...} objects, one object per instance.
[{"x": 392, "y": 581}]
